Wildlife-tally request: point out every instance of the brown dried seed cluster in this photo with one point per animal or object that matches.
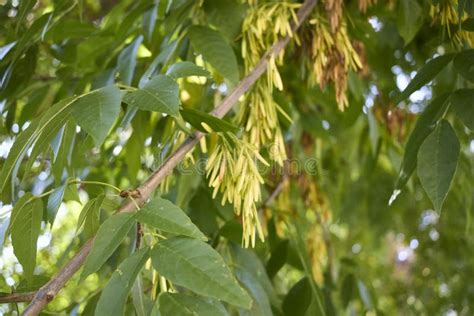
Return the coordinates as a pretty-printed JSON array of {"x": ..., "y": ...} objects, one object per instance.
[{"x": 332, "y": 57}]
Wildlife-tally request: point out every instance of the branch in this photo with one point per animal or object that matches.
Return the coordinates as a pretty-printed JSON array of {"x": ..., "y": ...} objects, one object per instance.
[
  {"x": 46, "y": 293},
  {"x": 275, "y": 192},
  {"x": 17, "y": 297}
]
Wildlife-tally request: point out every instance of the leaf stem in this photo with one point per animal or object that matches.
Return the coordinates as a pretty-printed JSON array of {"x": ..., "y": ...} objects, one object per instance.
[
  {"x": 134, "y": 202},
  {"x": 126, "y": 87},
  {"x": 96, "y": 183},
  {"x": 78, "y": 182}
]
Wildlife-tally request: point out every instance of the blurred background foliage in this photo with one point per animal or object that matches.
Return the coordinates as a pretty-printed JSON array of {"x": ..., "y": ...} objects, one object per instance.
[{"x": 331, "y": 236}]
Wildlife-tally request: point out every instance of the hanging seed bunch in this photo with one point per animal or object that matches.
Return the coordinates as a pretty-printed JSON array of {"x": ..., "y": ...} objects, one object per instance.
[
  {"x": 446, "y": 13},
  {"x": 260, "y": 120},
  {"x": 232, "y": 170},
  {"x": 317, "y": 253},
  {"x": 334, "y": 13},
  {"x": 332, "y": 56},
  {"x": 317, "y": 204},
  {"x": 262, "y": 27}
]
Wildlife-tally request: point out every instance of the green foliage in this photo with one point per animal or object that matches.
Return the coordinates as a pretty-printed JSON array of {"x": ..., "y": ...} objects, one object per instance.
[
  {"x": 185, "y": 304},
  {"x": 160, "y": 94},
  {"x": 197, "y": 118},
  {"x": 437, "y": 161},
  {"x": 25, "y": 228},
  {"x": 186, "y": 69},
  {"x": 462, "y": 104},
  {"x": 196, "y": 265},
  {"x": 167, "y": 217},
  {"x": 215, "y": 50},
  {"x": 425, "y": 124},
  {"x": 410, "y": 19},
  {"x": 463, "y": 63},
  {"x": 426, "y": 74},
  {"x": 114, "y": 295},
  {"x": 109, "y": 236},
  {"x": 97, "y": 111},
  {"x": 96, "y": 96}
]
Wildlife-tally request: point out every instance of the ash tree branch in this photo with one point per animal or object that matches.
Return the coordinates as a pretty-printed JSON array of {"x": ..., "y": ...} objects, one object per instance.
[
  {"x": 45, "y": 294},
  {"x": 17, "y": 297}
]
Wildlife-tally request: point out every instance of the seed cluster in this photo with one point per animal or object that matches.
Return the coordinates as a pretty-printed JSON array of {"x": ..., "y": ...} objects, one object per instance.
[
  {"x": 262, "y": 27},
  {"x": 332, "y": 55},
  {"x": 232, "y": 170},
  {"x": 446, "y": 13}
]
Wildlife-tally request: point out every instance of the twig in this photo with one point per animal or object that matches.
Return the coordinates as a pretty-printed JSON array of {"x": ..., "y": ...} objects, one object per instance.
[
  {"x": 46, "y": 293},
  {"x": 139, "y": 236},
  {"x": 17, "y": 297},
  {"x": 275, "y": 192}
]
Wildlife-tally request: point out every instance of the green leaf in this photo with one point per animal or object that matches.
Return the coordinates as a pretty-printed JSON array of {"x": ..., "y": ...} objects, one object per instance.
[
  {"x": 260, "y": 302},
  {"x": 250, "y": 262},
  {"x": 41, "y": 132},
  {"x": 110, "y": 235},
  {"x": 409, "y": 19},
  {"x": 25, "y": 7},
  {"x": 163, "y": 57},
  {"x": 5, "y": 49},
  {"x": 114, "y": 295},
  {"x": 70, "y": 29},
  {"x": 54, "y": 201},
  {"x": 437, "y": 161},
  {"x": 425, "y": 75},
  {"x": 348, "y": 289},
  {"x": 16, "y": 209},
  {"x": 50, "y": 125},
  {"x": 196, "y": 118},
  {"x": 63, "y": 158},
  {"x": 226, "y": 16},
  {"x": 127, "y": 60},
  {"x": 33, "y": 285},
  {"x": 141, "y": 302},
  {"x": 17, "y": 153},
  {"x": 216, "y": 51},
  {"x": 165, "y": 216},
  {"x": 149, "y": 21},
  {"x": 462, "y": 102},
  {"x": 89, "y": 309},
  {"x": 90, "y": 209},
  {"x": 97, "y": 111},
  {"x": 186, "y": 69},
  {"x": 189, "y": 305},
  {"x": 160, "y": 94},
  {"x": 365, "y": 296},
  {"x": 298, "y": 299},
  {"x": 197, "y": 266},
  {"x": 423, "y": 127},
  {"x": 464, "y": 64},
  {"x": 278, "y": 258},
  {"x": 25, "y": 228}
]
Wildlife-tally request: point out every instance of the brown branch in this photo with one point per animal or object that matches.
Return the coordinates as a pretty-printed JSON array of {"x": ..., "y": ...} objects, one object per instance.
[
  {"x": 139, "y": 236},
  {"x": 17, "y": 297},
  {"x": 49, "y": 290},
  {"x": 275, "y": 192}
]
